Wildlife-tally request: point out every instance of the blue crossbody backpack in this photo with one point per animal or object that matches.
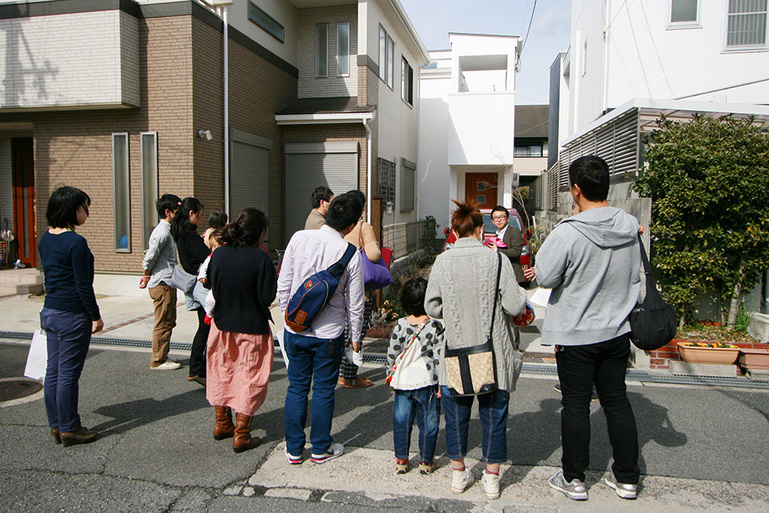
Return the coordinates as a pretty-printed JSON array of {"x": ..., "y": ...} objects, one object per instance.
[{"x": 313, "y": 294}]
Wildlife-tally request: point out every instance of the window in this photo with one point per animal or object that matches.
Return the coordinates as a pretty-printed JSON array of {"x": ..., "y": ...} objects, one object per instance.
[
  {"x": 390, "y": 61},
  {"x": 122, "y": 190},
  {"x": 343, "y": 49},
  {"x": 386, "y": 180},
  {"x": 746, "y": 24},
  {"x": 407, "y": 82},
  {"x": 386, "y": 56},
  {"x": 683, "y": 11},
  {"x": 408, "y": 172},
  {"x": 150, "y": 192},
  {"x": 528, "y": 150},
  {"x": 321, "y": 50},
  {"x": 265, "y": 22}
]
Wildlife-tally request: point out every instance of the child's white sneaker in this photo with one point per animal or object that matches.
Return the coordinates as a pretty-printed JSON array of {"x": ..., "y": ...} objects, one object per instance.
[
  {"x": 490, "y": 485},
  {"x": 460, "y": 480}
]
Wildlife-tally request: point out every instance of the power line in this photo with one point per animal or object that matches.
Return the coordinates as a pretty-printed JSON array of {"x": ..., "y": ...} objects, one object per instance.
[{"x": 526, "y": 38}]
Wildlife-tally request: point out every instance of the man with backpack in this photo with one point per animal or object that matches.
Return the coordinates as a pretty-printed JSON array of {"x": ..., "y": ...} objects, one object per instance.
[
  {"x": 592, "y": 261},
  {"x": 315, "y": 353}
]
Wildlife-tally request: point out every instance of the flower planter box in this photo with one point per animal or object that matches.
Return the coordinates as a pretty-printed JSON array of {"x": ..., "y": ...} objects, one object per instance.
[
  {"x": 709, "y": 355},
  {"x": 755, "y": 358}
]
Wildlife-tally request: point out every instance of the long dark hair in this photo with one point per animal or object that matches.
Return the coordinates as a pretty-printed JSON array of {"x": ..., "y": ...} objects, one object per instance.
[
  {"x": 63, "y": 205},
  {"x": 246, "y": 230},
  {"x": 182, "y": 217}
]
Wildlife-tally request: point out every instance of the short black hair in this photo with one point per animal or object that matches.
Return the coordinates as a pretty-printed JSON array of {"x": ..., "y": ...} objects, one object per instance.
[
  {"x": 63, "y": 205},
  {"x": 344, "y": 211},
  {"x": 167, "y": 202},
  {"x": 361, "y": 197},
  {"x": 413, "y": 296},
  {"x": 500, "y": 208},
  {"x": 591, "y": 174},
  {"x": 217, "y": 218},
  {"x": 321, "y": 193}
]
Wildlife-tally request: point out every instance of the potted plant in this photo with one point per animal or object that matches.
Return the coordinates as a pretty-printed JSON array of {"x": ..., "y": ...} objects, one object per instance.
[{"x": 719, "y": 353}]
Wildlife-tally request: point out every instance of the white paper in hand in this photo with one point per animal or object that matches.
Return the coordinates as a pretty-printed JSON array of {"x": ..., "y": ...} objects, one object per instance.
[
  {"x": 541, "y": 297},
  {"x": 353, "y": 357}
]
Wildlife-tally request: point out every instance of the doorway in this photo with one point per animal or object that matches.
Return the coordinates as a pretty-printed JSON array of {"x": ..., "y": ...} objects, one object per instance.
[
  {"x": 482, "y": 188},
  {"x": 22, "y": 162}
]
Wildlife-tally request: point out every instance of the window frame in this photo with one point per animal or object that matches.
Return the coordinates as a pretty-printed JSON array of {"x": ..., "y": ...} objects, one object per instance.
[
  {"x": 745, "y": 47},
  {"x": 382, "y": 53},
  {"x": 339, "y": 57},
  {"x": 390, "y": 62},
  {"x": 408, "y": 194},
  {"x": 321, "y": 56},
  {"x": 686, "y": 24},
  {"x": 264, "y": 21},
  {"x": 407, "y": 82},
  {"x": 125, "y": 181},
  {"x": 150, "y": 189}
]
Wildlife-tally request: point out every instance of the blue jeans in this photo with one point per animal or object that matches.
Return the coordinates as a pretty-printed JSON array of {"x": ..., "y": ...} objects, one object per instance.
[
  {"x": 579, "y": 368},
  {"x": 311, "y": 360},
  {"x": 493, "y": 409},
  {"x": 421, "y": 405},
  {"x": 68, "y": 335}
]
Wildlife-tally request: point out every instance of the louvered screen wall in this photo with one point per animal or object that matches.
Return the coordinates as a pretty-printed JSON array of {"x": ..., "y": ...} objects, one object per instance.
[{"x": 617, "y": 142}]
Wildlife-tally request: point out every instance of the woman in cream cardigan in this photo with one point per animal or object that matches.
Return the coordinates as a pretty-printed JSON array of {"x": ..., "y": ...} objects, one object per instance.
[{"x": 461, "y": 292}]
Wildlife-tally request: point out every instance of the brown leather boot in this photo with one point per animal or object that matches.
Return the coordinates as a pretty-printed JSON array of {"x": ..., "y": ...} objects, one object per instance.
[
  {"x": 55, "y": 435},
  {"x": 223, "y": 428},
  {"x": 79, "y": 436},
  {"x": 243, "y": 441}
]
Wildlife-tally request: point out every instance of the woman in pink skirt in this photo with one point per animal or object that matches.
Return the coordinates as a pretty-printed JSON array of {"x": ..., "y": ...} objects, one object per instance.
[{"x": 240, "y": 350}]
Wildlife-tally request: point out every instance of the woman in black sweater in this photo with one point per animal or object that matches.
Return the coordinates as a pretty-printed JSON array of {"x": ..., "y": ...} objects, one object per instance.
[
  {"x": 240, "y": 350},
  {"x": 192, "y": 252},
  {"x": 70, "y": 313}
]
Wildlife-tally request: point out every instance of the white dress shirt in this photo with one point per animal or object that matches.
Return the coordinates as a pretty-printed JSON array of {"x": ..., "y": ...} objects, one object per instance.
[{"x": 311, "y": 251}]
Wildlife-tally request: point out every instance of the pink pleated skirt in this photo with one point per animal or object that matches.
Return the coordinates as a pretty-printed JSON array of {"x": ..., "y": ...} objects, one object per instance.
[{"x": 238, "y": 369}]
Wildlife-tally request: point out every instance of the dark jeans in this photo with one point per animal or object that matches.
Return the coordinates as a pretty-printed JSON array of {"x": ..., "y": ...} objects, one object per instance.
[
  {"x": 68, "y": 335},
  {"x": 602, "y": 365},
  {"x": 423, "y": 406},
  {"x": 493, "y": 409},
  {"x": 198, "y": 352},
  {"x": 311, "y": 361}
]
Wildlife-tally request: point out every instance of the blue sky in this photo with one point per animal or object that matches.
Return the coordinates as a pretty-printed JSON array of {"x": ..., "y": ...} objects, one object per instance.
[{"x": 549, "y": 34}]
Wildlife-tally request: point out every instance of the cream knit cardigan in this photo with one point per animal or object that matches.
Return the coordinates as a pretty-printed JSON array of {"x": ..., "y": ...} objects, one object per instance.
[{"x": 461, "y": 292}]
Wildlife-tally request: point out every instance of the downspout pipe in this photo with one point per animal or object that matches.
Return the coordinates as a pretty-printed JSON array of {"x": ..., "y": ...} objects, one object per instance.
[
  {"x": 226, "y": 83},
  {"x": 368, "y": 169}
]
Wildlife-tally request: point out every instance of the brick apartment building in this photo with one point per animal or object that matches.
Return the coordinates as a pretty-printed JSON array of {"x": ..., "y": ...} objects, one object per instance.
[{"x": 125, "y": 99}]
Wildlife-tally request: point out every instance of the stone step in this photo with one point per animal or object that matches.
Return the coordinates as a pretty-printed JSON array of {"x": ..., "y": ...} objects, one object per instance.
[
  {"x": 13, "y": 289},
  {"x": 19, "y": 276}
]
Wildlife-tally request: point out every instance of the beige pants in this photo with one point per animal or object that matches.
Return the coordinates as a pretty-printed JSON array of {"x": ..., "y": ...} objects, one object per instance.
[{"x": 164, "y": 300}]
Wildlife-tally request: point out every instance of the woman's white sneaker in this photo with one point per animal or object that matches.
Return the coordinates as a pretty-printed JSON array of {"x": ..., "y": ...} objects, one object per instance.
[{"x": 490, "y": 485}]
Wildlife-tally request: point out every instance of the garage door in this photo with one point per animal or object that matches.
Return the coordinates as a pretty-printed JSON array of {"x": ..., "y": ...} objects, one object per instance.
[
  {"x": 310, "y": 165},
  {"x": 249, "y": 172}
]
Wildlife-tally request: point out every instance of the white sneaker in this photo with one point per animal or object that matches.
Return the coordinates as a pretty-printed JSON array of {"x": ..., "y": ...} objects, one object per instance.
[
  {"x": 626, "y": 491},
  {"x": 490, "y": 485},
  {"x": 574, "y": 490},
  {"x": 460, "y": 479},
  {"x": 332, "y": 452},
  {"x": 167, "y": 365}
]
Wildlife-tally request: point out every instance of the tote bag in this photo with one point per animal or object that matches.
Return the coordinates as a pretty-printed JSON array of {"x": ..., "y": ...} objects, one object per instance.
[
  {"x": 376, "y": 275},
  {"x": 409, "y": 371},
  {"x": 182, "y": 280},
  {"x": 37, "y": 359}
]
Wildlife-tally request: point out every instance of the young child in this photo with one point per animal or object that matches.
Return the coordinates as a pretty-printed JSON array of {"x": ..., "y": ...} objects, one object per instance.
[
  {"x": 216, "y": 223},
  {"x": 416, "y": 390}
]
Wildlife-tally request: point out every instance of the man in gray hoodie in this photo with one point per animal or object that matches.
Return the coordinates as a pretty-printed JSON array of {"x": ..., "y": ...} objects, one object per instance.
[{"x": 592, "y": 262}]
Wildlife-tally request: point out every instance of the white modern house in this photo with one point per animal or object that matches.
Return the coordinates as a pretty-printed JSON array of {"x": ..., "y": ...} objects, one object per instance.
[
  {"x": 466, "y": 124},
  {"x": 631, "y": 62}
]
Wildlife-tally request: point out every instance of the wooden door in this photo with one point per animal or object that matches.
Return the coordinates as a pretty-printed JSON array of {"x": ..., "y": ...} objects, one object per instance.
[
  {"x": 24, "y": 200},
  {"x": 482, "y": 188}
]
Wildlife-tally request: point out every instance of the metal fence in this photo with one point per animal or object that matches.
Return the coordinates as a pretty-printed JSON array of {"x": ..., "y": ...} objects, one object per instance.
[
  {"x": 543, "y": 192},
  {"x": 403, "y": 238}
]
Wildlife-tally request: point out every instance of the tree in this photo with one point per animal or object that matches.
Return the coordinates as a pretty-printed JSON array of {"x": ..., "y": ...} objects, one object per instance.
[{"x": 708, "y": 180}]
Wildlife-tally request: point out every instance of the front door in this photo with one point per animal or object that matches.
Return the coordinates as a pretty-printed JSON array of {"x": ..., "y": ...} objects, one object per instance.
[
  {"x": 482, "y": 188},
  {"x": 24, "y": 200}
]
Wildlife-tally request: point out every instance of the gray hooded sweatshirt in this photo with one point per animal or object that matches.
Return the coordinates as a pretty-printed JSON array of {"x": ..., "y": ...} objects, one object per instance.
[{"x": 592, "y": 262}]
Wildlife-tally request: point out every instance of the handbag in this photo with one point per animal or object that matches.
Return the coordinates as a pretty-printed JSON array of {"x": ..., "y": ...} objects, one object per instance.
[
  {"x": 37, "y": 359},
  {"x": 409, "y": 371},
  {"x": 472, "y": 370},
  {"x": 653, "y": 322},
  {"x": 182, "y": 280},
  {"x": 376, "y": 275}
]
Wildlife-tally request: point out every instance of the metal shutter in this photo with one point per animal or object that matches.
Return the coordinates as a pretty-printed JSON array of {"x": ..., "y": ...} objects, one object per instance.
[
  {"x": 307, "y": 169},
  {"x": 249, "y": 178}
]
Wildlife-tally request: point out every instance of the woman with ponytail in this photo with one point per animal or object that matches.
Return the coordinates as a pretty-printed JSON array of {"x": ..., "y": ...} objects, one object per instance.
[
  {"x": 243, "y": 283},
  {"x": 192, "y": 253},
  {"x": 461, "y": 291}
]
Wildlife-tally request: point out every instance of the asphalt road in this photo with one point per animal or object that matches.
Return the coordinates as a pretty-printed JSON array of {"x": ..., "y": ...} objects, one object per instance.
[{"x": 701, "y": 447}]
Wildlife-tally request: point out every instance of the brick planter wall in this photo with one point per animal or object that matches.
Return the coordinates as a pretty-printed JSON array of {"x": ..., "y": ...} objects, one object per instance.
[{"x": 660, "y": 359}]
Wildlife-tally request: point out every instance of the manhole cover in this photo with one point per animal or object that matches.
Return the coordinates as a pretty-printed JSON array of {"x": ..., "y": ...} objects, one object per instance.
[{"x": 18, "y": 388}]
